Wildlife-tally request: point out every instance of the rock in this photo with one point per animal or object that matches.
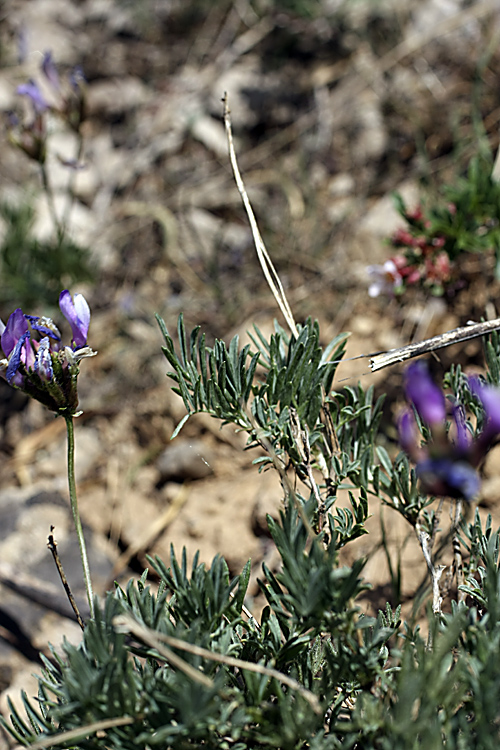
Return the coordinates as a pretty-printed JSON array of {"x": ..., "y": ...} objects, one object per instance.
[
  {"x": 383, "y": 218},
  {"x": 490, "y": 468},
  {"x": 490, "y": 489},
  {"x": 112, "y": 97},
  {"x": 217, "y": 519},
  {"x": 185, "y": 459}
]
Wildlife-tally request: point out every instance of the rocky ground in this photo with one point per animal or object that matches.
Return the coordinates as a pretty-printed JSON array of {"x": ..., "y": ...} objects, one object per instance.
[{"x": 334, "y": 105}]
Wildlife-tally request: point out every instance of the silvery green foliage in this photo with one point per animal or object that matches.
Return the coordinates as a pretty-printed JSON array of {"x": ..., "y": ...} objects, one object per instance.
[{"x": 360, "y": 682}]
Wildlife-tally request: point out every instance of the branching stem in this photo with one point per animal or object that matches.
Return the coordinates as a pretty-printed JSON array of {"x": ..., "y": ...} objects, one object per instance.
[
  {"x": 457, "y": 552},
  {"x": 425, "y": 541}
]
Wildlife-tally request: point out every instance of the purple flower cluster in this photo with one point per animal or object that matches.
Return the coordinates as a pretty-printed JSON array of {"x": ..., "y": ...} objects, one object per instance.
[
  {"x": 31, "y": 137},
  {"x": 37, "y": 362},
  {"x": 445, "y": 466}
]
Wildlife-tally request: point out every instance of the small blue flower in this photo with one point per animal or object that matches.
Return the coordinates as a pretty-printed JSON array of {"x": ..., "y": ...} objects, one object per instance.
[{"x": 32, "y": 91}]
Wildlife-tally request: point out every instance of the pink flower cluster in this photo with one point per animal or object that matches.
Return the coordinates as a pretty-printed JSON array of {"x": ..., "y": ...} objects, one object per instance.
[{"x": 422, "y": 259}]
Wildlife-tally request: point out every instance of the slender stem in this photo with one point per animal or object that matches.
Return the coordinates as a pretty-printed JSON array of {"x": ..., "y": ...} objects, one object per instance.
[
  {"x": 457, "y": 551},
  {"x": 52, "y": 545},
  {"x": 435, "y": 521},
  {"x": 71, "y": 184},
  {"x": 425, "y": 541},
  {"x": 76, "y": 515},
  {"x": 51, "y": 202}
]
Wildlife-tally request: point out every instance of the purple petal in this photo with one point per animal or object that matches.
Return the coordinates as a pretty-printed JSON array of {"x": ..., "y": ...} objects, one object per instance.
[
  {"x": 407, "y": 430},
  {"x": 45, "y": 326},
  {"x": 425, "y": 395},
  {"x": 490, "y": 399},
  {"x": 43, "y": 360},
  {"x": 32, "y": 91},
  {"x": 463, "y": 437},
  {"x": 448, "y": 478},
  {"x": 49, "y": 70},
  {"x": 18, "y": 356},
  {"x": 77, "y": 313},
  {"x": 15, "y": 328}
]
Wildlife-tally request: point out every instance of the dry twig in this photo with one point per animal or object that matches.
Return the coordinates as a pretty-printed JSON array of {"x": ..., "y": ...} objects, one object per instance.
[{"x": 266, "y": 263}]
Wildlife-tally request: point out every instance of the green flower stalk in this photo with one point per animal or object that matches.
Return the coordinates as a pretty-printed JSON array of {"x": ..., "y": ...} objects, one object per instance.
[{"x": 37, "y": 363}]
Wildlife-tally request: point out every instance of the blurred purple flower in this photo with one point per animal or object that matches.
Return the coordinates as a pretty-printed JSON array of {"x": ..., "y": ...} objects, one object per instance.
[
  {"x": 408, "y": 433},
  {"x": 446, "y": 466},
  {"x": 12, "y": 120},
  {"x": 49, "y": 70},
  {"x": 76, "y": 78},
  {"x": 424, "y": 394},
  {"x": 490, "y": 399},
  {"x": 463, "y": 436},
  {"x": 449, "y": 477},
  {"x": 32, "y": 91},
  {"x": 22, "y": 45}
]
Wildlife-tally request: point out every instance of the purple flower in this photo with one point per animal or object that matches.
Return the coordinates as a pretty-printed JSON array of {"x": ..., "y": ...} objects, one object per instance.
[
  {"x": 35, "y": 360},
  {"x": 424, "y": 394},
  {"x": 22, "y": 354},
  {"x": 15, "y": 328},
  {"x": 449, "y": 477},
  {"x": 76, "y": 78},
  {"x": 446, "y": 466},
  {"x": 32, "y": 91},
  {"x": 50, "y": 71},
  {"x": 490, "y": 399},
  {"x": 45, "y": 326},
  {"x": 463, "y": 436},
  {"x": 408, "y": 434},
  {"x": 77, "y": 313}
]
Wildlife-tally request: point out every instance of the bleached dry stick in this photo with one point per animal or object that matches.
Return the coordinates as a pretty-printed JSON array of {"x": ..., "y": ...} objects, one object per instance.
[
  {"x": 455, "y": 336},
  {"x": 266, "y": 263}
]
